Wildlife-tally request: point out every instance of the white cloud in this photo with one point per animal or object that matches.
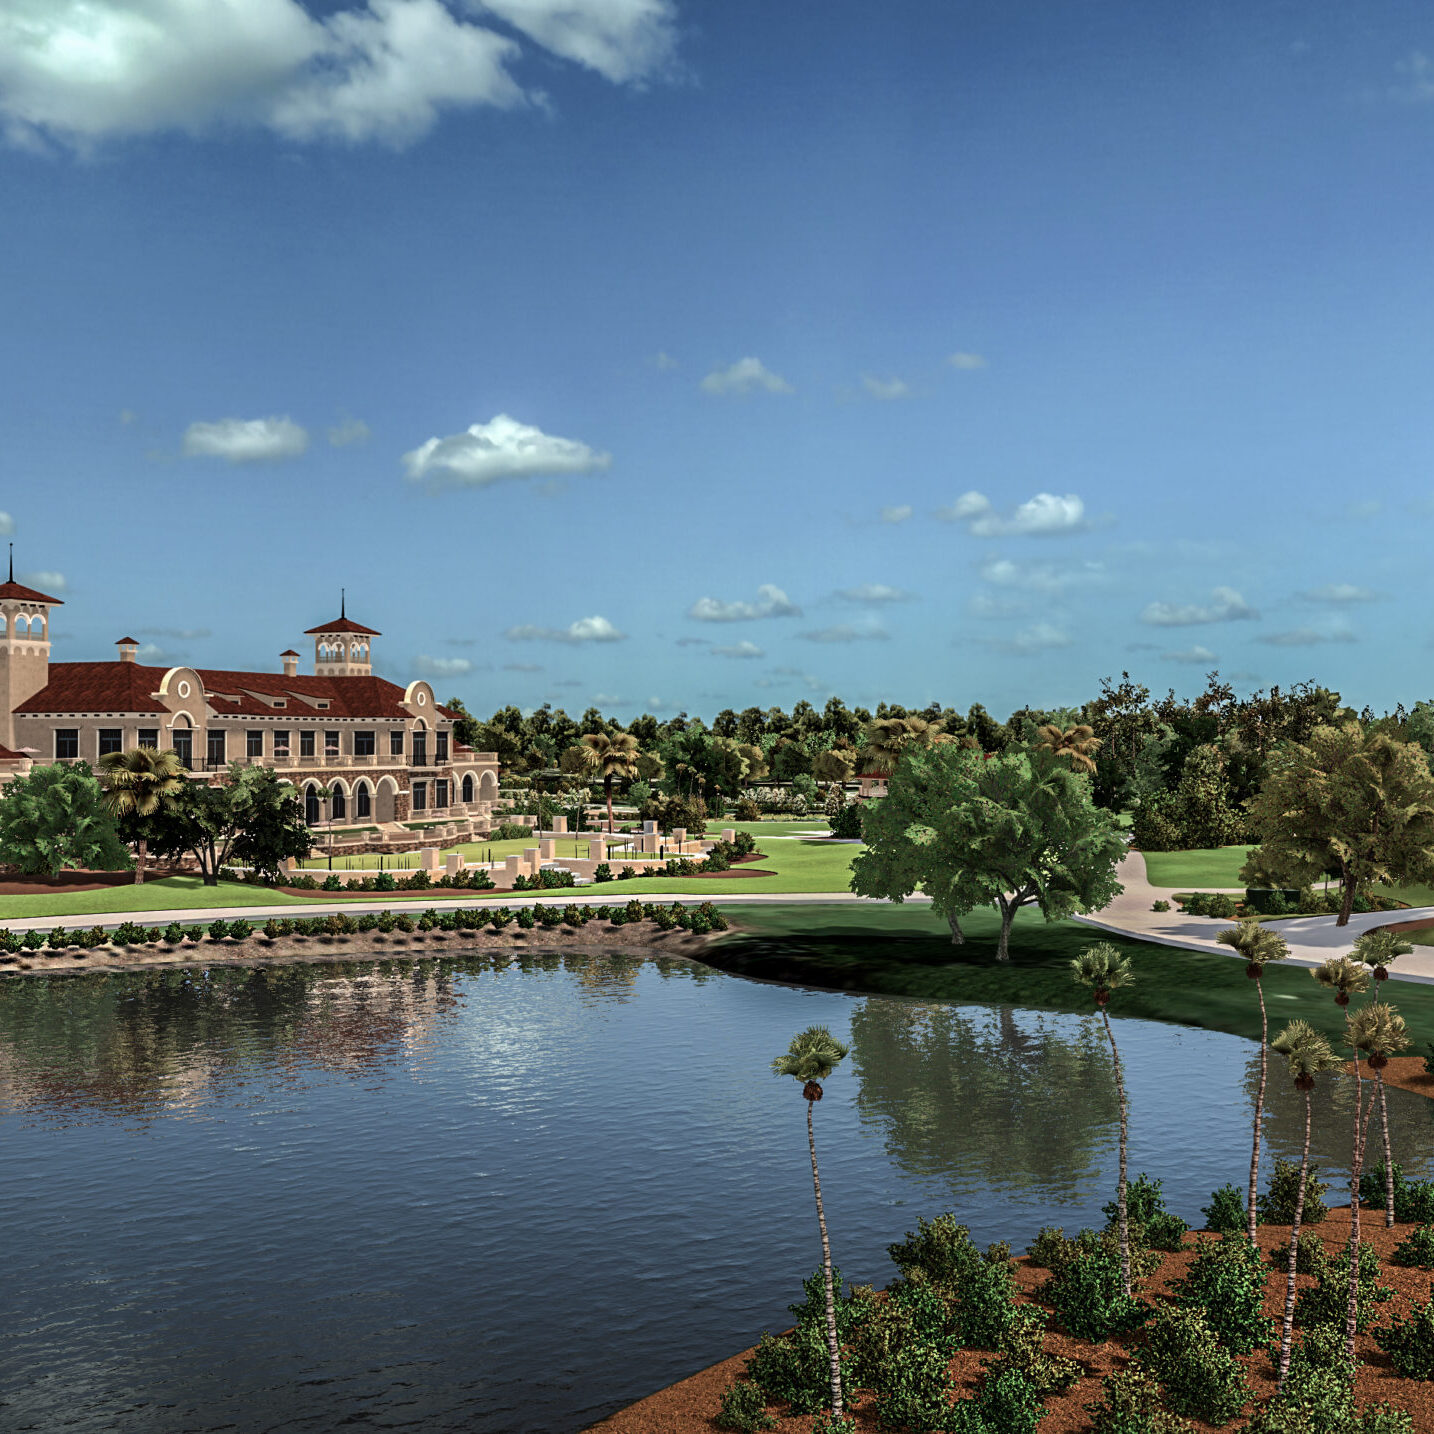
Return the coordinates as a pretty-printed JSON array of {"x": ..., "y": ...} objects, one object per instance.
[
  {"x": 48, "y": 582},
  {"x": 245, "y": 440},
  {"x": 1191, "y": 654},
  {"x": 885, "y": 388},
  {"x": 771, "y": 602},
  {"x": 867, "y": 631},
  {"x": 966, "y": 361},
  {"x": 1307, "y": 636},
  {"x": 740, "y": 649},
  {"x": 1339, "y": 594},
  {"x": 80, "y": 71},
  {"x": 1227, "y": 606},
  {"x": 1038, "y": 577},
  {"x": 148, "y": 654},
  {"x": 1038, "y": 637},
  {"x": 989, "y": 605},
  {"x": 502, "y": 448},
  {"x": 585, "y": 629},
  {"x": 351, "y": 430},
  {"x": 873, "y": 593},
  {"x": 7, "y": 525},
  {"x": 1044, "y": 515},
  {"x": 426, "y": 666},
  {"x": 898, "y": 514},
  {"x": 745, "y": 376}
]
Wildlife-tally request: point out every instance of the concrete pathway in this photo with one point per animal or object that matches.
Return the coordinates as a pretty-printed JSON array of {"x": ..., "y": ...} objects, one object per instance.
[{"x": 1311, "y": 938}]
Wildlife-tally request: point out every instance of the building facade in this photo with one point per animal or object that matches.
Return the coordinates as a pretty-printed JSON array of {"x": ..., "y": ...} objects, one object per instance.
[{"x": 382, "y": 752}]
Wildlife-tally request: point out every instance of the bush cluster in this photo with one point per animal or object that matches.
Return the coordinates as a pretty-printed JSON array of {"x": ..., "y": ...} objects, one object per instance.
[
  {"x": 1226, "y": 1214},
  {"x": 1409, "y": 1341},
  {"x": 1150, "y": 1223},
  {"x": 1211, "y": 903},
  {"x": 1327, "y": 1302},
  {"x": 1416, "y": 1250},
  {"x": 1413, "y": 1199},
  {"x": 1277, "y": 1205},
  {"x": 548, "y": 878},
  {"x": 1226, "y": 1284},
  {"x": 1199, "y": 1377}
]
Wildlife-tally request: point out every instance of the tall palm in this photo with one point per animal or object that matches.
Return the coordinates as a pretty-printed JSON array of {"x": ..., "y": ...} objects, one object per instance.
[
  {"x": 1307, "y": 1054},
  {"x": 1348, "y": 978},
  {"x": 139, "y": 783},
  {"x": 1377, "y": 947},
  {"x": 1379, "y": 1031},
  {"x": 611, "y": 758},
  {"x": 885, "y": 737},
  {"x": 1259, "y": 946},
  {"x": 1077, "y": 744},
  {"x": 811, "y": 1058},
  {"x": 1105, "y": 969}
]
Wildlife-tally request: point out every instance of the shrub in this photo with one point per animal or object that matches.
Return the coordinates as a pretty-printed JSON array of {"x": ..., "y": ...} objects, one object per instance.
[
  {"x": 174, "y": 933},
  {"x": 633, "y": 911},
  {"x": 714, "y": 918},
  {"x": 1023, "y": 1350},
  {"x": 549, "y": 916},
  {"x": 1277, "y": 1205},
  {"x": 795, "y": 1368},
  {"x": 1200, "y": 1379},
  {"x": 1328, "y": 1300},
  {"x": 1048, "y": 1250},
  {"x": 332, "y": 882},
  {"x": 670, "y": 812},
  {"x": 271, "y": 929},
  {"x": 1130, "y": 1403},
  {"x": 510, "y": 831},
  {"x": 1159, "y": 906},
  {"x": 415, "y": 881},
  {"x": 218, "y": 930},
  {"x": 1226, "y": 1283},
  {"x": 1318, "y": 1393},
  {"x": 846, "y": 821},
  {"x": 1197, "y": 903},
  {"x": 32, "y": 941},
  {"x": 716, "y": 861},
  {"x": 1416, "y": 1250},
  {"x": 403, "y": 922},
  {"x": 1150, "y": 1222},
  {"x": 368, "y": 921},
  {"x": 302, "y": 881},
  {"x": 97, "y": 936},
  {"x": 525, "y": 918},
  {"x": 744, "y": 844},
  {"x": 1413, "y": 1199},
  {"x": 1409, "y": 1341},
  {"x": 744, "y": 1409},
  {"x": 1310, "y": 1259},
  {"x": 1007, "y": 1403},
  {"x": 58, "y": 939},
  {"x": 152, "y": 936},
  {"x": 940, "y": 1248},
  {"x": 1085, "y": 1292},
  {"x": 240, "y": 930},
  {"x": 500, "y": 917},
  {"x": 10, "y": 940},
  {"x": 1226, "y": 1213},
  {"x": 1222, "y": 905},
  {"x": 603, "y": 871},
  {"x": 746, "y": 810},
  {"x": 128, "y": 933},
  {"x": 914, "y": 1388},
  {"x": 387, "y": 920},
  {"x": 385, "y": 881}
]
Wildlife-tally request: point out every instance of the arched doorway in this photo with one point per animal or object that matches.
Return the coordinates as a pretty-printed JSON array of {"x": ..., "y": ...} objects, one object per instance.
[
  {"x": 363, "y": 804},
  {"x": 338, "y": 805},
  {"x": 311, "y": 805},
  {"x": 468, "y": 788},
  {"x": 385, "y": 806},
  {"x": 488, "y": 787}
]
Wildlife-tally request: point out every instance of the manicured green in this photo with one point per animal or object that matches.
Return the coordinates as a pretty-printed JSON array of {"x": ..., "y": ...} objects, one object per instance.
[
  {"x": 172, "y": 892},
  {"x": 1207, "y": 868}
]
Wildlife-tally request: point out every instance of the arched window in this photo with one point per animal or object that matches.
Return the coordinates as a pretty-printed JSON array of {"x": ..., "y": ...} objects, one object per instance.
[
  {"x": 363, "y": 805},
  {"x": 468, "y": 788},
  {"x": 311, "y": 805},
  {"x": 338, "y": 805}
]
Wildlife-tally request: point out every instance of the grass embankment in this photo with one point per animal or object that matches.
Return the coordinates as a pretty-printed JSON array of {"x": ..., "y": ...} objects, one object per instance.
[
  {"x": 170, "y": 893},
  {"x": 1201, "y": 868},
  {"x": 907, "y": 951}
]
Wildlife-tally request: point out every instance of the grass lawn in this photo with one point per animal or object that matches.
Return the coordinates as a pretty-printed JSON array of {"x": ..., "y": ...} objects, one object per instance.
[
  {"x": 1200, "y": 869},
  {"x": 170, "y": 893},
  {"x": 906, "y": 951}
]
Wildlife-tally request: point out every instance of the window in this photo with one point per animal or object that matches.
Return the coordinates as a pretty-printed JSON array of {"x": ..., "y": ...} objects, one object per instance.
[
  {"x": 280, "y": 702},
  {"x": 441, "y": 739},
  {"x": 467, "y": 789},
  {"x": 440, "y": 793},
  {"x": 281, "y": 744},
  {"x": 338, "y": 806},
  {"x": 306, "y": 743},
  {"x": 111, "y": 740},
  {"x": 420, "y": 748},
  {"x": 149, "y": 737},
  {"x": 331, "y": 744},
  {"x": 323, "y": 706},
  {"x": 254, "y": 744},
  {"x": 363, "y": 744},
  {"x": 183, "y": 740},
  {"x": 395, "y": 742},
  {"x": 420, "y": 796},
  {"x": 363, "y": 806},
  {"x": 67, "y": 742},
  {"x": 214, "y": 746},
  {"x": 311, "y": 806}
]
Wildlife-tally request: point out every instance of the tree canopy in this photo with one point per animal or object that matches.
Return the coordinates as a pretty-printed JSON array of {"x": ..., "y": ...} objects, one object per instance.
[{"x": 56, "y": 817}]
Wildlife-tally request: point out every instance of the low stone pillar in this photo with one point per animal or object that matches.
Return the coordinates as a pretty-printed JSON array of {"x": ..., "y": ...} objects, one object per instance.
[
  {"x": 679, "y": 835},
  {"x": 513, "y": 868},
  {"x": 454, "y": 862},
  {"x": 651, "y": 842},
  {"x": 428, "y": 858},
  {"x": 597, "y": 849},
  {"x": 560, "y": 824},
  {"x": 729, "y": 834},
  {"x": 532, "y": 859},
  {"x": 648, "y": 828},
  {"x": 547, "y": 850}
]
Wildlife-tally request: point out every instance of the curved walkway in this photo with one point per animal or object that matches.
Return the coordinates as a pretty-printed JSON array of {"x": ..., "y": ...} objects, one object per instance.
[{"x": 1311, "y": 938}]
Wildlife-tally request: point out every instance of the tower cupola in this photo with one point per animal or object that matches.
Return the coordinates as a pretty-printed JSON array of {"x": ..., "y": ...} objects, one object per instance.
[
  {"x": 342, "y": 648},
  {"x": 24, "y": 647}
]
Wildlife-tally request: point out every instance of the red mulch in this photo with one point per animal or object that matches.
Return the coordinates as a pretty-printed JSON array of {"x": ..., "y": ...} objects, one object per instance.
[
  {"x": 14, "y": 883},
  {"x": 1407, "y": 1072},
  {"x": 688, "y": 1406}
]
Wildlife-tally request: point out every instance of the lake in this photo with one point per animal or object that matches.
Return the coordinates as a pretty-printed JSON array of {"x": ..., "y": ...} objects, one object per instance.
[{"x": 500, "y": 1194}]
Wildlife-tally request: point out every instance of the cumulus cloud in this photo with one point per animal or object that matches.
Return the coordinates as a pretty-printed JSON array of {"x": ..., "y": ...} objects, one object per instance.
[
  {"x": 966, "y": 361},
  {"x": 1339, "y": 594},
  {"x": 46, "y": 581},
  {"x": 1028, "y": 642},
  {"x": 1306, "y": 636},
  {"x": 884, "y": 388},
  {"x": 1191, "y": 654},
  {"x": 747, "y": 375},
  {"x": 426, "y": 666},
  {"x": 178, "y": 634},
  {"x": 149, "y": 654},
  {"x": 873, "y": 593},
  {"x": 899, "y": 514},
  {"x": 1226, "y": 605},
  {"x": 502, "y": 448},
  {"x": 80, "y": 71},
  {"x": 585, "y": 629},
  {"x": 7, "y": 526},
  {"x": 848, "y": 632},
  {"x": 1045, "y": 515},
  {"x": 246, "y": 440},
  {"x": 771, "y": 602},
  {"x": 1038, "y": 577},
  {"x": 739, "y": 649},
  {"x": 351, "y": 430}
]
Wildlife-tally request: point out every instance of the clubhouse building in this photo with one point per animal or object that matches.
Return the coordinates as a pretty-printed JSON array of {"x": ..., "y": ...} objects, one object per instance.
[{"x": 385, "y": 753}]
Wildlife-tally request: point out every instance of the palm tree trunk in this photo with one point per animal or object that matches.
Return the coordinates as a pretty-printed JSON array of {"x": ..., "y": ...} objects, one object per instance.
[
  {"x": 1122, "y": 1216},
  {"x": 1289, "y": 1325},
  {"x": 607, "y": 792},
  {"x": 832, "y": 1347},
  {"x": 1388, "y": 1161},
  {"x": 1259, "y": 1107},
  {"x": 1356, "y": 1169},
  {"x": 141, "y": 855}
]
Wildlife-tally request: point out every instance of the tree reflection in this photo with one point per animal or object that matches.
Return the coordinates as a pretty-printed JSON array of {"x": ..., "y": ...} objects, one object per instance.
[{"x": 976, "y": 1097}]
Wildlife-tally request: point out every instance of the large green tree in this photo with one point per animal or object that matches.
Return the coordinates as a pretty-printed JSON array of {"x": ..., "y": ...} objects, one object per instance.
[
  {"x": 1012, "y": 830},
  {"x": 1351, "y": 802},
  {"x": 56, "y": 817},
  {"x": 138, "y": 783}
]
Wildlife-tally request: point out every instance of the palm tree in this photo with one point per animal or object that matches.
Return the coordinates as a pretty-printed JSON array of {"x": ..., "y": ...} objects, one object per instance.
[
  {"x": 1258, "y": 945},
  {"x": 1379, "y": 946},
  {"x": 138, "y": 783},
  {"x": 1079, "y": 744},
  {"x": 611, "y": 758},
  {"x": 811, "y": 1058},
  {"x": 1105, "y": 969},
  {"x": 1307, "y": 1053},
  {"x": 1379, "y": 1031},
  {"x": 885, "y": 737}
]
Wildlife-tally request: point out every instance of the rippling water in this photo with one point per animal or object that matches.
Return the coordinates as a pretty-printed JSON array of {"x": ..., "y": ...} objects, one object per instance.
[{"x": 459, "y": 1194}]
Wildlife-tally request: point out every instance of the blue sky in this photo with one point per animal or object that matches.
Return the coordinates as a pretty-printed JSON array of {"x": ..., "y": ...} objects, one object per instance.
[{"x": 667, "y": 355}]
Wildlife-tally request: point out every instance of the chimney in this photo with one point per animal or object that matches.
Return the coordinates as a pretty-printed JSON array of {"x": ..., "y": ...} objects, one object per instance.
[
  {"x": 129, "y": 649},
  {"x": 291, "y": 663}
]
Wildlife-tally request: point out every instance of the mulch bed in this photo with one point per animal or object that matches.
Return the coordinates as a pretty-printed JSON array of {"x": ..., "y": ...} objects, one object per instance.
[
  {"x": 1407, "y": 1072},
  {"x": 688, "y": 1406},
  {"x": 15, "y": 884}
]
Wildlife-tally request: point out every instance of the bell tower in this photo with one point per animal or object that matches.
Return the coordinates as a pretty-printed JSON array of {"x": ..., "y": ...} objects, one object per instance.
[
  {"x": 342, "y": 648},
  {"x": 24, "y": 647}
]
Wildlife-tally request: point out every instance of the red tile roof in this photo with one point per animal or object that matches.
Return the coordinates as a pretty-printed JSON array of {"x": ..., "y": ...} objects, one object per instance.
[
  {"x": 98, "y": 687},
  {"x": 6, "y": 755},
  {"x": 343, "y": 624},
  {"x": 126, "y": 642},
  {"x": 12, "y": 589},
  {"x": 291, "y": 653}
]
